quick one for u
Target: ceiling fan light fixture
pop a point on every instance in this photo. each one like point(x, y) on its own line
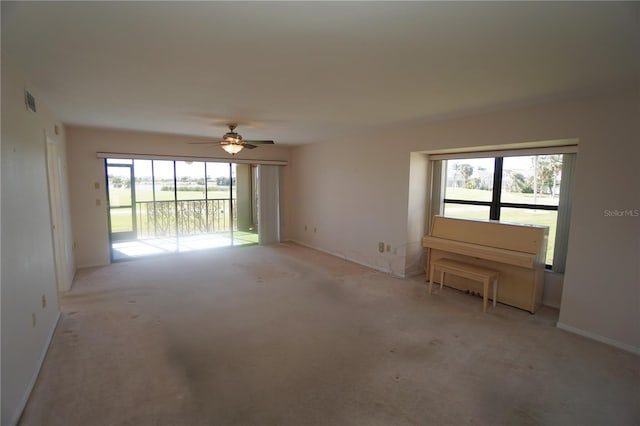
point(233, 148)
point(232, 137)
point(233, 142)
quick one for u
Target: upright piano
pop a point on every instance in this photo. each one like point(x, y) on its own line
point(517, 251)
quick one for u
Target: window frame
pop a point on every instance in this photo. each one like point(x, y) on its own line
point(496, 204)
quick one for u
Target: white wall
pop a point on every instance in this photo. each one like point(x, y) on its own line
point(356, 193)
point(417, 214)
point(601, 291)
point(350, 196)
point(90, 224)
point(28, 271)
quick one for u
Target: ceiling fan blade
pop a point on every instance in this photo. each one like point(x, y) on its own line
point(248, 145)
point(259, 142)
point(204, 143)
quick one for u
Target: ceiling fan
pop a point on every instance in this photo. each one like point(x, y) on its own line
point(233, 142)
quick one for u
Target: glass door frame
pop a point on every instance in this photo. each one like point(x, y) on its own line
point(127, 235)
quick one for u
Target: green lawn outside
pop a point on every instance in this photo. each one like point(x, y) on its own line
point(526, 216)
point(242, 237)
point(121, 221)
point(507, 197)
point(122, 196)
point(121, 217)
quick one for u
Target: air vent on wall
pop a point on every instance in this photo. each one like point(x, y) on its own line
point(30, 101)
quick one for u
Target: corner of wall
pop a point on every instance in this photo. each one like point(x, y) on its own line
point(552, 295)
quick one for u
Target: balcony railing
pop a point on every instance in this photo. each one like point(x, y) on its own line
point(184, 217)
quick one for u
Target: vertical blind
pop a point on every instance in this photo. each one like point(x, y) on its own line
point(269, 204)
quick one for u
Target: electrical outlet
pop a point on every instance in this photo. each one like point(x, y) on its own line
point(44, 301)
point(98, 201)
point(96, 185)
point(33, 319)
point(381, 247)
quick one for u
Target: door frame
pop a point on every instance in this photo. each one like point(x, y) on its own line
point(55, 208)
point(128, 235)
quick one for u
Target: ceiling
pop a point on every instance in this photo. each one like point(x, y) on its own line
point(309, 72)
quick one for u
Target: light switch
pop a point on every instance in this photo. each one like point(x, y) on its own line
point(98, 201)
point(96, 185)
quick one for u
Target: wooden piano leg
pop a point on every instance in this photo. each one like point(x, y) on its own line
point(431, 278)
point(495, 291)
point(485, 283)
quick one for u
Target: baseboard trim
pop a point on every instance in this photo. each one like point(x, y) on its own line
point(93, 265)
point(414, 273)
point(597, 337)
point(550, 304)
point(341, 256)
point(32, 383)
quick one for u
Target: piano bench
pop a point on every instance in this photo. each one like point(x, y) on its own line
point(466, 270)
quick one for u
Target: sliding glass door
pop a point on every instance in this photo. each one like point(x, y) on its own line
point(163, 206)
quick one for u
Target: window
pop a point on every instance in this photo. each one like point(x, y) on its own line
point(469, 188)
point(519, 189)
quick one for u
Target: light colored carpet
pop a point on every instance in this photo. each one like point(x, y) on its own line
point(285, 335)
